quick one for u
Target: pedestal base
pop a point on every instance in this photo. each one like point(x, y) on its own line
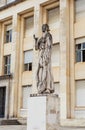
point(43, 111)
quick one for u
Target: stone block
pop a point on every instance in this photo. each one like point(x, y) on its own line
point(43, 112)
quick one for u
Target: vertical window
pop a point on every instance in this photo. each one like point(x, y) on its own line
point(80, 52)
point(28, 58)
point(80, 93)
point(55, 55)
point(79, 9)
point(29, 23)
point(8, 33)
point(26, 91)
point(2, 3)
point(53, 17)
point(9, 1)
point(7, 64)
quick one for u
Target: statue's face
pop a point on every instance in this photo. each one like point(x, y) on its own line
point(43, 28)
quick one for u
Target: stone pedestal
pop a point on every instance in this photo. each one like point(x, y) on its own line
point(43, 112)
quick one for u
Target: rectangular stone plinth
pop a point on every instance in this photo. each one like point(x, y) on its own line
point(43, 112)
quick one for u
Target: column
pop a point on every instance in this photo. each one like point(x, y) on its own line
point(72, 58)
point(64, 60)
point(1, 47)
point(37, 32)
point(15, 66)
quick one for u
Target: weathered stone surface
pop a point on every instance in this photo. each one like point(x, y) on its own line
point(43, 113)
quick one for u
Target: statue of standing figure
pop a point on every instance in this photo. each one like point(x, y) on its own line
point(44, 74)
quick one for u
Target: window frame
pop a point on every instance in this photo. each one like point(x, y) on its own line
point(8, 37)
point(7, 66)
point(27, 65)
point(25, 86)
point(26, 18)
point(7, 2)
point(81, 52)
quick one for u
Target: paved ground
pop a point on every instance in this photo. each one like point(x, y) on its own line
point(16, 127)
point(68, 128)
point(23, 127)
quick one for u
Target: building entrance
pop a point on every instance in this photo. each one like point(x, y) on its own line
point(2, 101)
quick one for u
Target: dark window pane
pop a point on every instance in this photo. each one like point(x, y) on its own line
point(79, 46)
point(83, 55)
point(8, 69)
point(83, 45)
point(26, 67)
point(30, 66)
point(5, 70)
point(9, 59)
point(6, 60)
point(7, 64)
point(78, 56)
point(9, 36)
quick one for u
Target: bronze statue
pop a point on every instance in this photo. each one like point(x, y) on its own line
point(44, 75)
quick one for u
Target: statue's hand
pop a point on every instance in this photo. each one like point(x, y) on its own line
point(36, 38)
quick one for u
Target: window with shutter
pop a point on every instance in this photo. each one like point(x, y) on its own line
point(53, 17)
point(26, 91)
point(29, 24)
point(79, 9)
point(80, 50)
point(55, 55)
point(8, 34)
point(9, 1)
point(28, 58)
point(80, 93)
point(7, 64)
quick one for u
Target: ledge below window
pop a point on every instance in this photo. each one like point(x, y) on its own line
point(10, 4)
point(3, 77)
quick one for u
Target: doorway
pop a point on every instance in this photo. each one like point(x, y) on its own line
point(2, 101)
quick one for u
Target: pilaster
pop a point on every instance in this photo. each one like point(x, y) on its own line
point(64, 59)
point(15, 65)
point(37, 32)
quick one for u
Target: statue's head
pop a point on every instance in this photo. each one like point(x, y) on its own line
point(45, 27)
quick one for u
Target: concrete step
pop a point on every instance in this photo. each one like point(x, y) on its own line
point(9, 122)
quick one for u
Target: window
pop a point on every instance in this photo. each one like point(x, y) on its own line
point(80, 52)
point(7, 61)
point(55, 55)
point(80, 93)
point(2, 3)
point(79, 9)
point(28, 58)
point(8, 33)
point(26, 91)
point(29, 24)
point(9, 1)
point(53, 17)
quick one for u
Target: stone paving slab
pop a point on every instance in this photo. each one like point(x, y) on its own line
point(14, 127)
point(71, 128)
point(24, 127)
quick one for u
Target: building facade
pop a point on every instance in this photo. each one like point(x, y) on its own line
point(19, 20)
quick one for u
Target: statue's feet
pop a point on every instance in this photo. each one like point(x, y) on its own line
point(47, 91)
